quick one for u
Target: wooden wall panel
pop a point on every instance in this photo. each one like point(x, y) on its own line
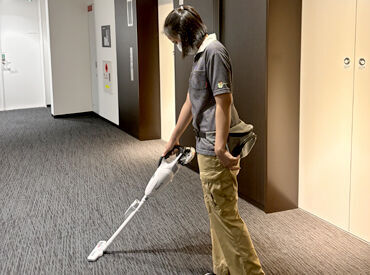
point(326, 108)
point(139, 100)
point(360, 177)
point(283, 86)
point(243, 32)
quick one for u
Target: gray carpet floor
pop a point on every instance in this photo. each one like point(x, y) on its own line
point(65, 184)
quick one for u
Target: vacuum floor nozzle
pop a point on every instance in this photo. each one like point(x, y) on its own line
point(97, 252)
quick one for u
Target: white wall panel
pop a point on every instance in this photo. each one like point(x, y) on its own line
point(328, 31)
point(360, 180)
point(108, 101)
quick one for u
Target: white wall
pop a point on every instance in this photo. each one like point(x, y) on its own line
point(69, 43)
point(108, 101)
point(20, 39)
point(167, 73)
point(75, 94)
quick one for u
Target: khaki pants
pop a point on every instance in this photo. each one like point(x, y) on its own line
point(232, 248)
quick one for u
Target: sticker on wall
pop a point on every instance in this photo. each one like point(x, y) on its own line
point(105, 36)
point(107, 76)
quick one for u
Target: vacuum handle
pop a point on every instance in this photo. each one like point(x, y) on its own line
point(169, 153)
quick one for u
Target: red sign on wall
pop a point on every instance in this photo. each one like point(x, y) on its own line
point(90, 8)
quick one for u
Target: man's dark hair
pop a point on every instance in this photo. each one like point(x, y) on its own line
point(185, 23)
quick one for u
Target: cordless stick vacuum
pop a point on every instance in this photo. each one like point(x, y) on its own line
point(162, 176)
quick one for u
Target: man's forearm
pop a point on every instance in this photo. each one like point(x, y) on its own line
point(185, 118)
point(223, 117)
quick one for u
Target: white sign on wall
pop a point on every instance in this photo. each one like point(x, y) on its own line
point(107, 75)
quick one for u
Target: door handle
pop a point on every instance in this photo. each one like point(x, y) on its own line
point(131, 64)
point(6, 66)
point(130, 16)
point(347, 61)
point(362, 62)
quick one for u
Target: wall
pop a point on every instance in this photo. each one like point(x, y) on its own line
point(108, 101)
point(247, 47)
point(334, 117)
point(74, 95)
point(69, 43)
point(283, 83)
point(20, 39)
point(167, 73)
point(2, 107)
point(45, 45)
point(326, 109)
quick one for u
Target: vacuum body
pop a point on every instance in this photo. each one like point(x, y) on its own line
point(162, 176)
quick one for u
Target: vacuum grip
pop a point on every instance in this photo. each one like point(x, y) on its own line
point(169, 153)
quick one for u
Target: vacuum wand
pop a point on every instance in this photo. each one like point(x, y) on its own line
point(162, 176)
point(125, 222)
point(99, 249)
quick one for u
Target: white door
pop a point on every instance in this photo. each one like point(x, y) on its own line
point(328, 33)
point(20, 41)
point(93, 59)
point(360, 181)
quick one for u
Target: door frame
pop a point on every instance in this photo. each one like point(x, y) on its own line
point(93, 59)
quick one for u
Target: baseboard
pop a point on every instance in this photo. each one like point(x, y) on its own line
point(110, 122)
point(91, 113)
point(75, 115)
point(251, 201)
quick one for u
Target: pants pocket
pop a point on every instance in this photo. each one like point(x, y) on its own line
point(224, 196)
point(220, 193)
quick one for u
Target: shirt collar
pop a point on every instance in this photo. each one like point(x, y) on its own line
point(209, 39)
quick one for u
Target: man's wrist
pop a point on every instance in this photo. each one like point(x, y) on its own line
point(174, 139)
point(220, 150)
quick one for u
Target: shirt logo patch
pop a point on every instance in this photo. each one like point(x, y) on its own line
point(221, 85)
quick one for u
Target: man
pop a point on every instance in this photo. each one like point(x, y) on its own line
point(209, 103)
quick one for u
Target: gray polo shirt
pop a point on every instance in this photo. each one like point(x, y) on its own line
point(210, 76)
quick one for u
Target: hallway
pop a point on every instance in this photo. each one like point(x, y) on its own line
point(65, 184)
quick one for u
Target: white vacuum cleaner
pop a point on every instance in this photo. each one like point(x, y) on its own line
point(162, 176)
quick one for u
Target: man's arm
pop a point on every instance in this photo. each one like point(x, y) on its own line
point(223, 119)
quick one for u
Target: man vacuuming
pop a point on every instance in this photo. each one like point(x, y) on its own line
point(209, 104)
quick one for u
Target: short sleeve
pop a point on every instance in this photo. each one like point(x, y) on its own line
point(219, 73)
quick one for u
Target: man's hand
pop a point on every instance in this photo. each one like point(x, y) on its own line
point(170, 144)
point(228, 160)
